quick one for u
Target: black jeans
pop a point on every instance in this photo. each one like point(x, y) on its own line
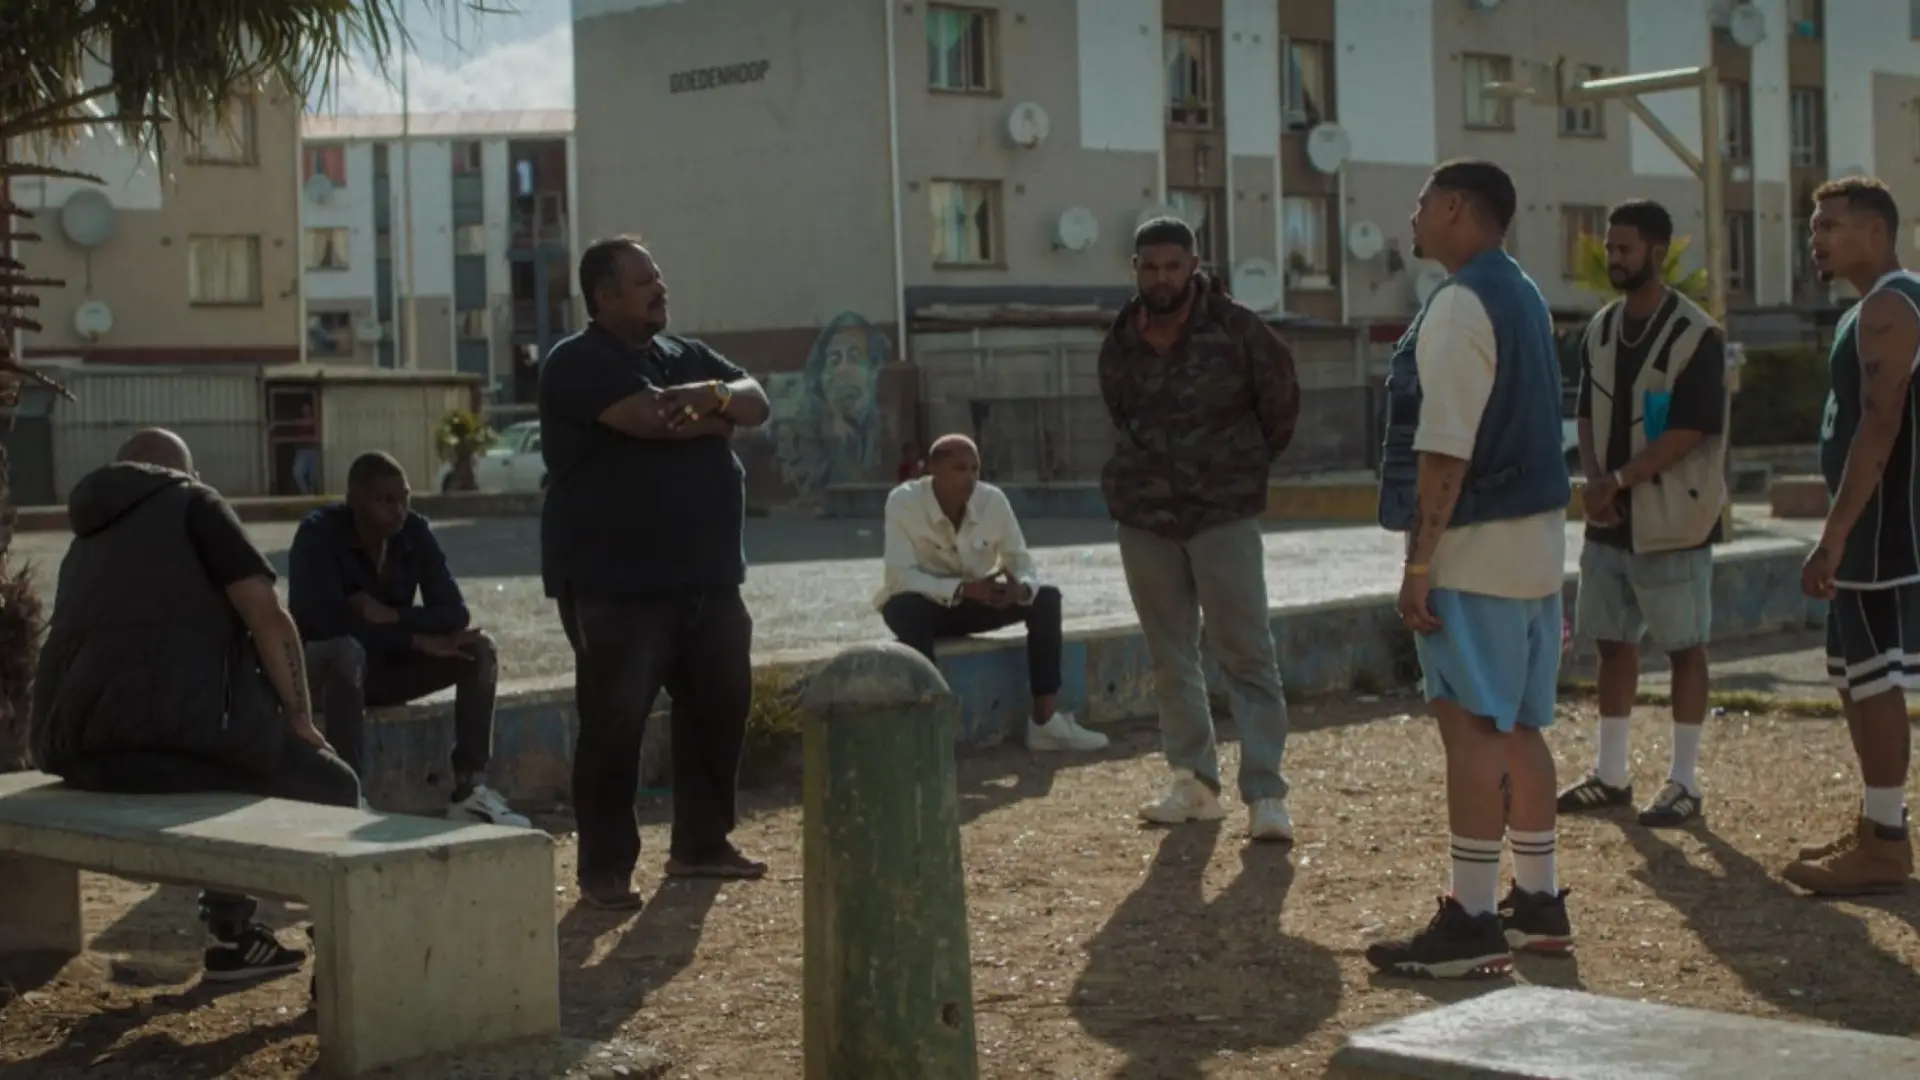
point(919, 622)
point(346, 682)
point(306, 774)
point(697, 645)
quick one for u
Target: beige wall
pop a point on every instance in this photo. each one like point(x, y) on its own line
point(1896, 141)
point(766, 203)
point(141, 271)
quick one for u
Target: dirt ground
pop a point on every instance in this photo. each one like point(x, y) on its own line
point(1101, 949)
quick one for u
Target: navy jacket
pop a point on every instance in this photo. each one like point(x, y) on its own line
point(1517, 468)
point(328, 565)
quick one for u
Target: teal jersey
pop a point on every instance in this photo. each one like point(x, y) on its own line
point(1884, 548)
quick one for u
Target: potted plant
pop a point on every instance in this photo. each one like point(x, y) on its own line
point(462, 436)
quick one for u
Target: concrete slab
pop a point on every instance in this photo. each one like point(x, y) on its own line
point(1535, 1033)
point(397, 903)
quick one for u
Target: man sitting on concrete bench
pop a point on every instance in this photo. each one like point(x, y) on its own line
point(355, 572)
point(171, 667)
point(957, 564)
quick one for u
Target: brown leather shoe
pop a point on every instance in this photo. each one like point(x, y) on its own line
point(1875, 859)
point(1816, 853)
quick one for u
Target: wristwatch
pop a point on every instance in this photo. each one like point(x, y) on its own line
point(723, 394)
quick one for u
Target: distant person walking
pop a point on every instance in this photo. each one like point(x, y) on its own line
point(641, 543)
point(1203, 398)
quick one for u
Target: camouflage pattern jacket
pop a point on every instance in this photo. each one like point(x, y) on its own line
point(1198, 427)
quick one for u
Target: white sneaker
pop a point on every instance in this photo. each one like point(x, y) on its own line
point(1063, 732)
point(485, 804)
point(1268, 819)
point(1187, 799)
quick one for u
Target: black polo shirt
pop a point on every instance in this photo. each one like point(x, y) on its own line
point(627, 517)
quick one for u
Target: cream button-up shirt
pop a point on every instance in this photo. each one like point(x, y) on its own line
point(926, 554)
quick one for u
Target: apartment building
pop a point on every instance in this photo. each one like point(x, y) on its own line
point(477, 203)
point(891, 157)
point(188, 260)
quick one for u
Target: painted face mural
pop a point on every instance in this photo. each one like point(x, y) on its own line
point(826, 419)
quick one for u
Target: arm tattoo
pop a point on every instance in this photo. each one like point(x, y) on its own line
point(301, 707)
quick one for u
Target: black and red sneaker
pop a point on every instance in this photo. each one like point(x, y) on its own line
point(1537, 922)
point(1454, 945)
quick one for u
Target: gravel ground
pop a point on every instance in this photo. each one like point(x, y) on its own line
point(1102, 950)
point(811, 582)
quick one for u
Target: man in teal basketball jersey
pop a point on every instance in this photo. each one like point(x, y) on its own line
point(1867, 562)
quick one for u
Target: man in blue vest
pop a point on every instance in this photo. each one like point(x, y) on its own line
point(1472, 472)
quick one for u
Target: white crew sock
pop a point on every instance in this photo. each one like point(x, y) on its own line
point(1611, 766)
point(1533, 867)
point(1884, 806)
point(1476, 874)
point(1685, 769)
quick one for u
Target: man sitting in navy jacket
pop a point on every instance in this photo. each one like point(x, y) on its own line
point(356, 571)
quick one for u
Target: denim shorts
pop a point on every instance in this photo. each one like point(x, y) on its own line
point(1665, 595)
point(1494, 656)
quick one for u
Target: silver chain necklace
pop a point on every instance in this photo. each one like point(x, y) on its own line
point(1645, 328)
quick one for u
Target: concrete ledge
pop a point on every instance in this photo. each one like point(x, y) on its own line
point(1339, 645)
point(459, 504)
point(1801, 497)
point(1534, 1033)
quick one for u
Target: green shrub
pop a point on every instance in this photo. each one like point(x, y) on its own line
point(1783, 392)
point(773, 724)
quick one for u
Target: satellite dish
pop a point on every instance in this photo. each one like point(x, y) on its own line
point(319, 189)
point(87, 218)
point(1364, 240)
point(1158, 210)
point(1076, 230)
point(1328, 148)
point(93, 319)
point(1747, 25)
point(1028, 125)
point(368, 329)
point(1427, 282)
point(1256, 283)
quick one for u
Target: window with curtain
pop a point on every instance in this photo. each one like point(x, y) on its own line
point(327, 161)
point(965, 222)
point(223, 269)
point(1806, 110)
point(1484, 111)
point(960, 49)
point(327, 249)
point(1577, 223)
point(1189, 63)
point(1584, 121)
point(1305, 228)
point(1303, 84)
point(1195, 207)
point(222, 137)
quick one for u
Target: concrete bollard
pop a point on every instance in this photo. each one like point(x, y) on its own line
point(889, 984)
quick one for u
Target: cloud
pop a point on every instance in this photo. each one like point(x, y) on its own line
point(535, 72)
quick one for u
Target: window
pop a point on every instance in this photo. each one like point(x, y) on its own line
point(1189, 56)
point(1804, 18)
point(1913, 18)
point(1306, 224)
point(1195, 207)
point(1736, 129)
point(1584, 121)
point(473, 324)
point(327, 161)
point(1577, 223)
point(960, 50)
point(466, 157)
point(1739, 252)
point(1485, 111)
point(1807, 109)
point(330, 334)
point(470, 240)
point(223, 270)
point(326, 249)
point(224, 137)
point(966, 222)
point(1303, 83)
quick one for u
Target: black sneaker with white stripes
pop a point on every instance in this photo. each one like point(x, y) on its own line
point(1594, 793)
point(255, 954)
point(1537, 922)
point(1455, 945)
point(1674, 806)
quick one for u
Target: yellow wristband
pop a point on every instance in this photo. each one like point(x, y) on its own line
point(1415, 569)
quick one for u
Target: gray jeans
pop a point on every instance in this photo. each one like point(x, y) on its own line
point(1220, 573)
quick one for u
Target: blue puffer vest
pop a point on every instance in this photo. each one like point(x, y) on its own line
point(1517, 469)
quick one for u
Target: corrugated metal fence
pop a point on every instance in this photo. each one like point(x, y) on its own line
point(219, 413)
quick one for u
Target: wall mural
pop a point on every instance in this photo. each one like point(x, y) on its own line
point(826, 418)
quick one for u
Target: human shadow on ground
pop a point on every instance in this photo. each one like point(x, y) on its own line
point(1783, 945)
point(94, 1046)
point(1560, 972)
point(1173, 978)
point(653, 945)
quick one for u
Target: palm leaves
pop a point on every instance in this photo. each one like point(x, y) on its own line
point(1590, 270)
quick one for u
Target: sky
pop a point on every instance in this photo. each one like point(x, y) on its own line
point(515, 61)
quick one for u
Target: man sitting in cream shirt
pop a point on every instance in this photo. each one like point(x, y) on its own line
point(957, 564)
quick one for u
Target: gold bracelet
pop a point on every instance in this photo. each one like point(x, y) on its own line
point(1415, 569)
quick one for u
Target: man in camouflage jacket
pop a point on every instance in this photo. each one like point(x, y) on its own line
point(1203, 398)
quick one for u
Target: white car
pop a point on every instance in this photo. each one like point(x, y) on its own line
point(512, 463)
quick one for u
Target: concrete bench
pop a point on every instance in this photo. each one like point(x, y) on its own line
point(1803, 497)
point(1533, 1033)
point(431, 936)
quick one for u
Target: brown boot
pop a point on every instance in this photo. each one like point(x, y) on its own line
point(1875, 859)
point(1815, 854)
